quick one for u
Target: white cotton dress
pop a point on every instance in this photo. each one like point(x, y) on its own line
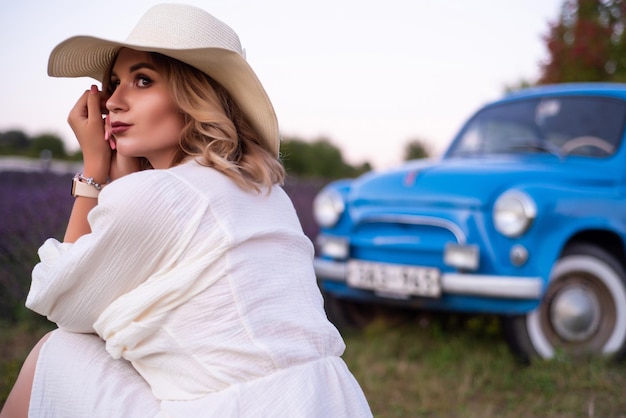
point(204, 301)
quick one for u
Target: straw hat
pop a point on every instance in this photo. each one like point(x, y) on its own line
point(190, 35)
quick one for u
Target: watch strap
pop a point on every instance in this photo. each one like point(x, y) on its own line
point(83, 189)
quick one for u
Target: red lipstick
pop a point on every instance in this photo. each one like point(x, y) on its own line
point(119, 127)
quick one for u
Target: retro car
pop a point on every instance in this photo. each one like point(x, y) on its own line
point(524, 217)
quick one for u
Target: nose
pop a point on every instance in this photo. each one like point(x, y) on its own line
point(117, 101)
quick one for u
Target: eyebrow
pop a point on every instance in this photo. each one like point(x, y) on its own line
point(139, 66)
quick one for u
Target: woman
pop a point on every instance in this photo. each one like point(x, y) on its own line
point(182, 253)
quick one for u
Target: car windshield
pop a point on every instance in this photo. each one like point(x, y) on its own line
point(571, 125)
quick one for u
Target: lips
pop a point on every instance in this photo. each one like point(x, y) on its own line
point(119, 127)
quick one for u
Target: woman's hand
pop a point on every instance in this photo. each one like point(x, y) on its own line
point(85, 119)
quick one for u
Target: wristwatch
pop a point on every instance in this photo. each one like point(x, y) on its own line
point(85, 187)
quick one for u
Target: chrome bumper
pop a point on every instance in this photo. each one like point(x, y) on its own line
point(454, 283)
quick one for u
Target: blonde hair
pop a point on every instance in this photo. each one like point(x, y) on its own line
point(216, 129)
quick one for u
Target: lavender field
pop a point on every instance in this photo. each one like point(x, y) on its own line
point(427, 365)
point(33, 207)
point(36, 205)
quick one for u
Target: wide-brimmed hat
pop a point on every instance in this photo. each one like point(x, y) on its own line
point(190, 35)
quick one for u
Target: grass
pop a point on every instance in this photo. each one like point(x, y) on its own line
point(450, 366)
point(16, 340)
point(437, 366)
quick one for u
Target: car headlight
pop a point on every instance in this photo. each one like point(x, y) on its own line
point(327, 208)
point(334, 247)
point(513, 213)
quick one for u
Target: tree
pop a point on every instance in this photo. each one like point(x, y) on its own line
point(18, 143)
point(49, 142)
point(519, 85)
point(415, 149)
point(319, 158)
point(13, 142)
point(587, 43)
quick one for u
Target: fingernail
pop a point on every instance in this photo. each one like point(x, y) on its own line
point(107, 132)
point(112, 143)
point(94, 89)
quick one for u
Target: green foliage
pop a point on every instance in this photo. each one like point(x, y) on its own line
point(520, 85)
point(50, 143)
point(416, 149)
point(13, 142)
point(44, 145)
point(587, 43)
point(320, 159)
point(76, 156)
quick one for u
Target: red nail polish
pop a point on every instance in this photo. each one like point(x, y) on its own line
point(107, 131)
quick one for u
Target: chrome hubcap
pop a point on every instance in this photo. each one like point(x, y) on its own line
point(575, 313)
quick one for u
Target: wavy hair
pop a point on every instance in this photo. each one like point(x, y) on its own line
point(215, 128)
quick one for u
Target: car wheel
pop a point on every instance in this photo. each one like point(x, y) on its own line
point(582, 313)
point(345, 313)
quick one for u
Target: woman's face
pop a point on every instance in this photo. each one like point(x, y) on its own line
point(144, 119)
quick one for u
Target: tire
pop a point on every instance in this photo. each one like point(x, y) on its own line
point(351, 315)
point(583, 312)
point(346, 314)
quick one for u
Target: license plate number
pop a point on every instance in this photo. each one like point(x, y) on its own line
point(394, 278)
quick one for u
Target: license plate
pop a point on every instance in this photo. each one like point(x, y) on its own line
point(395, 278)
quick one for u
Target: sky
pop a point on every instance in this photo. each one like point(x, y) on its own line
point(368, 75)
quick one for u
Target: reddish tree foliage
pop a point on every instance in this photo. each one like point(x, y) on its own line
point(587, 43)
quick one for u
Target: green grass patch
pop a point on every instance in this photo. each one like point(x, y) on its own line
point(435, 366)
point(16, 341)
point(450, 366)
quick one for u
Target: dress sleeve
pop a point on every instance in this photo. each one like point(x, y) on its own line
point(142, 223)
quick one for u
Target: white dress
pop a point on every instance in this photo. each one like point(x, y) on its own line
point(207, 290)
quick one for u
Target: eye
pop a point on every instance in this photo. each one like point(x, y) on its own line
point(143, 81)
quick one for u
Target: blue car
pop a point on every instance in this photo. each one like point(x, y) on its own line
point(523, 217)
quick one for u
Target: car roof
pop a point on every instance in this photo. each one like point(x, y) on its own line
point(573, 89)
